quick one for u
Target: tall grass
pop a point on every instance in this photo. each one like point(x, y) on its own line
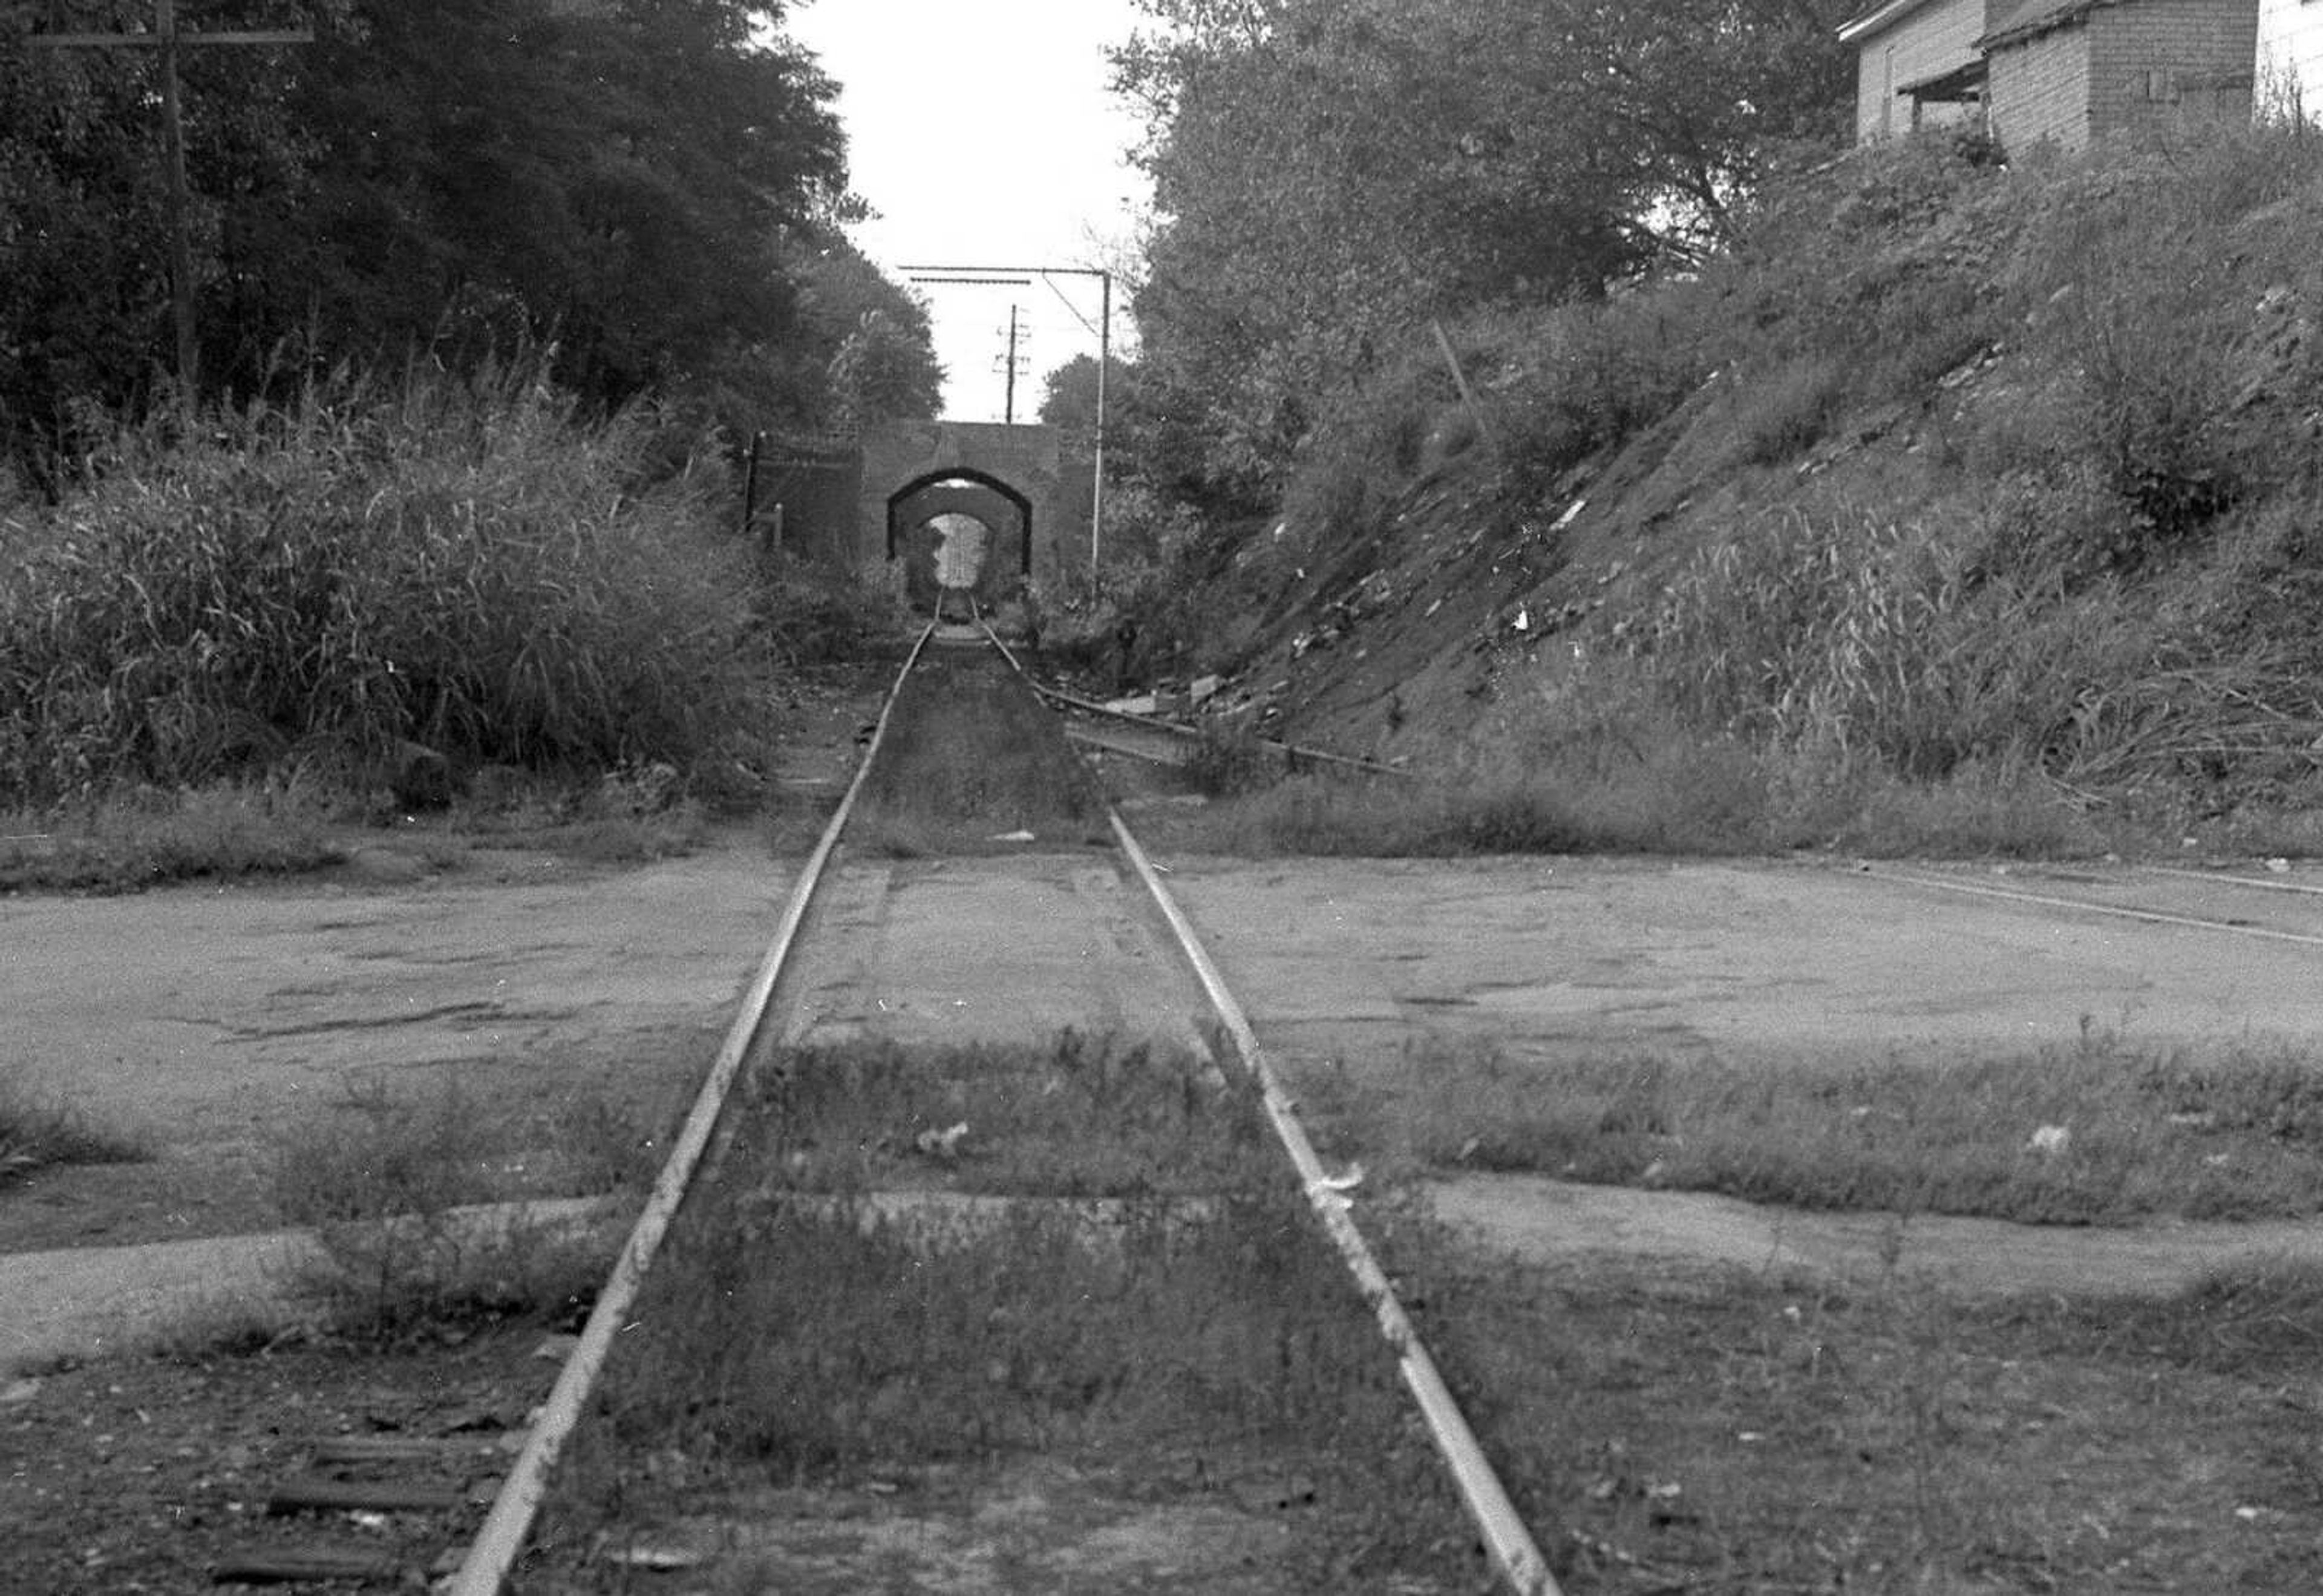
point(470, 567)
point(147, 837)
point(37, 1132)
point(400, 1190)
point(2094, 576)
point(1831, 630)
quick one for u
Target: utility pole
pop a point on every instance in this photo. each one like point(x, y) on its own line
point(1017, 333)
point(167, 37)
point(1103, 368)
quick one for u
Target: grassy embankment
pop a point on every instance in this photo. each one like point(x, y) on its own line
point(1962, 508)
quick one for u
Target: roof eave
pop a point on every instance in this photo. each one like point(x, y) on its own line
point(2049, 22)
point(1876, 18)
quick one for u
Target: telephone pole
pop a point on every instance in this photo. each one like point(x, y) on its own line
point(166, 37)
point(1017, 334)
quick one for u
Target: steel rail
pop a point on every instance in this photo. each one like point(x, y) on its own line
point(506, 1526)
point(2118, 912)
point(1515, 1557)
point(2228, 878)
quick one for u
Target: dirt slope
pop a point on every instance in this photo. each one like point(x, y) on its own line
point(2082, 430)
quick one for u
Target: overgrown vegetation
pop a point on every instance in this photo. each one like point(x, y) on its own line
point(1333, 174)
point(431, 485)
point(38, 1132)
point(1197, 1312)
point(2105, 1132)
point(658, 191)
point(1089, 1116)
point(386, 586)
point(1949, 474)
point(422, 1207)
point(973, 762)
point(147, 837)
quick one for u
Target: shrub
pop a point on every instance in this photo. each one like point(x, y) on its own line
point(36, 1133)
point(472, 568)
point(393, 1188)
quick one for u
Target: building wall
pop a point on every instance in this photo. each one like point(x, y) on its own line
point(1938, 37)
point(2138, 65)
point(2039, 89)
point(2290, 57)
point(2158, 64)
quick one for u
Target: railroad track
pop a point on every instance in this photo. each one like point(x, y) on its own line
point(2241, 902)
point(857, 959)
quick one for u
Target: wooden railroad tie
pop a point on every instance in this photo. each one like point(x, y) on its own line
point(464, 1472)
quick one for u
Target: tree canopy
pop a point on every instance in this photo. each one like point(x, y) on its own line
point(1331, 174)
point(1069, 399)
point(635, 182)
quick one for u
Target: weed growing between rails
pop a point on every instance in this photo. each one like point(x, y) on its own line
point(1090, 1117)
point(841, 1316)
point(973, 762)
point(2103, 1133)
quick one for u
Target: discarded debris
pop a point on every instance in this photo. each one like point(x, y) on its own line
point(653, 1559)
point(943, 1143)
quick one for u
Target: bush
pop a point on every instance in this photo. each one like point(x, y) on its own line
point(469, 569)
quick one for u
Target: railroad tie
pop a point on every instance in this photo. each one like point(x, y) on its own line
point(454, 1475)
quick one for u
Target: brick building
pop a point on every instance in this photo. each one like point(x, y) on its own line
point(2073, 70)
point(2063, 70)
point(2290, 57)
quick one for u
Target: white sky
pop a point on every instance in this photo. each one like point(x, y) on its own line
point(982, 134)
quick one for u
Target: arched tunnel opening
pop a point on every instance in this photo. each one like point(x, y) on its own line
point(964, 539)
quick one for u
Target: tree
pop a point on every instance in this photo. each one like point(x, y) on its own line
point(616, 177)
point(869, 338)
point(84, 235)
point(1333, 174)
point(1068, 400)
point(616, 181)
